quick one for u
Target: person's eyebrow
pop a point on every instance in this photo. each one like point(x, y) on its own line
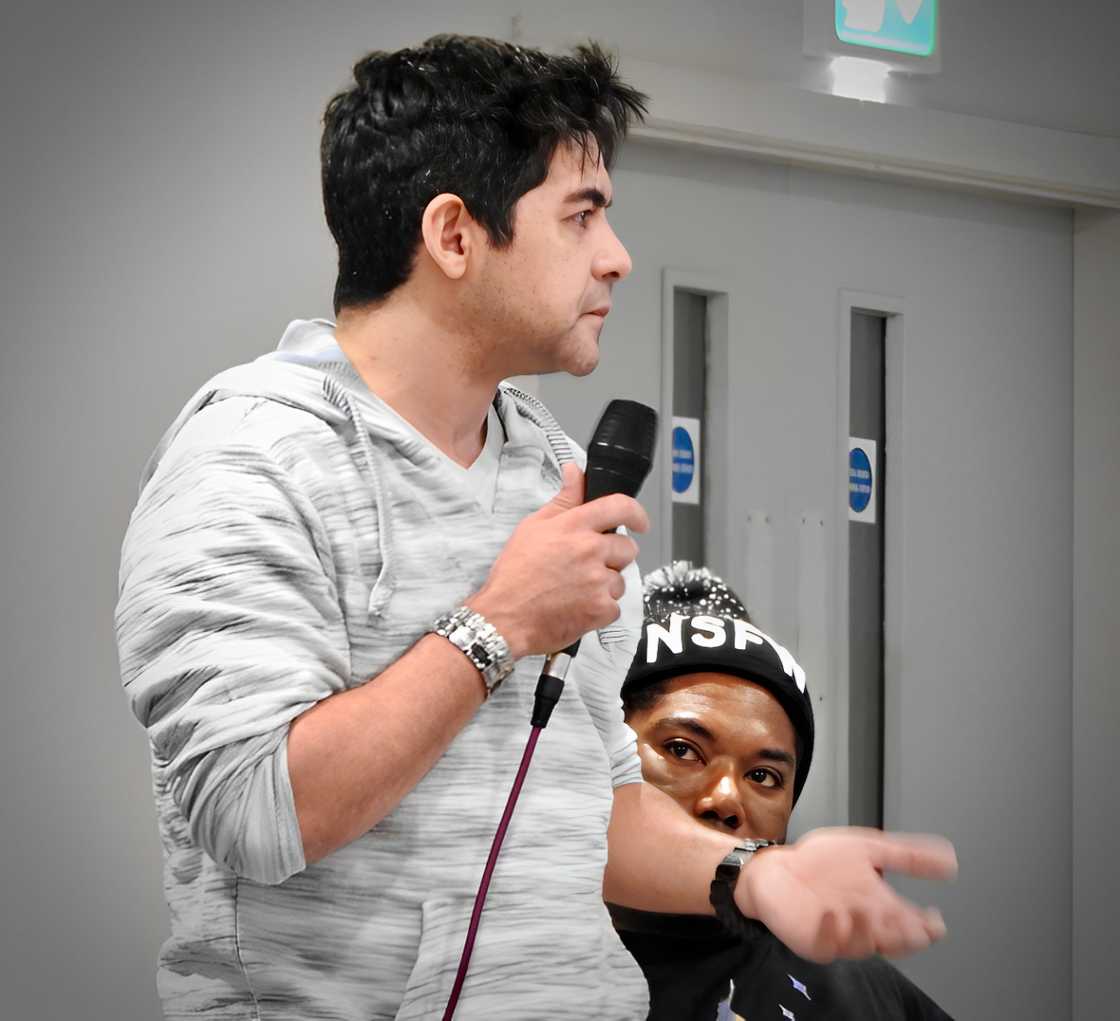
point(592, 195)
point(777, 755)
point(687, 723)
point(694, 726)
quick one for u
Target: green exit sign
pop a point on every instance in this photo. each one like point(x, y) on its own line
point(900, 26)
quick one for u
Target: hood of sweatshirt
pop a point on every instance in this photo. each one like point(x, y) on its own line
point(309, 371)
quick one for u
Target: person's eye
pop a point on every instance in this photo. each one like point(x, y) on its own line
point(765, 777)
point(583, 217)
point(682, 750)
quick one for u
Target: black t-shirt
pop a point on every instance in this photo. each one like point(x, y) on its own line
point(691, 964)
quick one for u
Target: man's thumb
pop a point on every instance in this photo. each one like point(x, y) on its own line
point(571, 492)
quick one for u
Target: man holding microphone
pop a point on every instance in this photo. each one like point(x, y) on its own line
point(348, 560)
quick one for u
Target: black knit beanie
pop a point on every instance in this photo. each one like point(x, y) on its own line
point(694, 623)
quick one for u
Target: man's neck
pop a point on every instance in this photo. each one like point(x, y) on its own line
point(424, 372)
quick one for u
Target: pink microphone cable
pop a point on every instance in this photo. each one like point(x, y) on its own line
point(618, 460)
point(495, 847)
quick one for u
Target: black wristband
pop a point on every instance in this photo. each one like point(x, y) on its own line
point(722, 895)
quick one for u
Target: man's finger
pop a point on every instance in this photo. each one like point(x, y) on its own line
point(934, 924)
point(831, 938)
point(620, 551)
point(915, 935)
point(902, 933)
point(918, 855)
point(608, 512)
point(916, 927)
point(861, 934)
point(892, 936)
point(571, 492)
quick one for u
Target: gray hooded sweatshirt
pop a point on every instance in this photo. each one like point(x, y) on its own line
point(293, 538)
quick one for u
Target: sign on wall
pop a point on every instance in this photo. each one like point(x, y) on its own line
point(900, 26)
point(863, 478)
point(897, 35)
point(686, 460)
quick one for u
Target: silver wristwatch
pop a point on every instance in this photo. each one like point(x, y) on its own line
point(480, 642)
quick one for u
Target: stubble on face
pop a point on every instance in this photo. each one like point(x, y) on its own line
point(532, 300)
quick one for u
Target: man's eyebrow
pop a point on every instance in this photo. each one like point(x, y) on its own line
point(776, 755)
point(592, 195)
point(694, 726)
point(687, 723)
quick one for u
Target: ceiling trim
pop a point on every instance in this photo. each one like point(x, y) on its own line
point(821, 155)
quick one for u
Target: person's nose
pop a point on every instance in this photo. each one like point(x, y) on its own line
point(613, 261)
point(721, 803)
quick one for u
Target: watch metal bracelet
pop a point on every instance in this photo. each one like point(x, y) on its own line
point(478, 639)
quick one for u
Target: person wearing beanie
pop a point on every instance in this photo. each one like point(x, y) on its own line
point(724, 721)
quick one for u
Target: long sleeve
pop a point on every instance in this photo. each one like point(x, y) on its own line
point(229, 627)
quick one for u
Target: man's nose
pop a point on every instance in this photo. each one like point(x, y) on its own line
point(721, 804)
point(613, 261)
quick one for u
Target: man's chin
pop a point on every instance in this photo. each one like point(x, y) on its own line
point(584, 359)
point(576, 364)
point(574, 355)
point(584, 368)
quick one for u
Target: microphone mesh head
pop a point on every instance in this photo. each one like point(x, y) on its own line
point(620, 454)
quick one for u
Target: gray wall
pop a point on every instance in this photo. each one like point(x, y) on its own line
point(1096, 568)
point(160, 219)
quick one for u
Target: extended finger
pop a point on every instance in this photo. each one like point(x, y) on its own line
point(919, 855)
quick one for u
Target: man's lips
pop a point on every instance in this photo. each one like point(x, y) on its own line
point(601, 312)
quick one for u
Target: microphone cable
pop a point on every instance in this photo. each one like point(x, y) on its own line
point(618, 460)
point(549, 688)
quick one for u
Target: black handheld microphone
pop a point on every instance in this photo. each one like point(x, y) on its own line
point(619, 458)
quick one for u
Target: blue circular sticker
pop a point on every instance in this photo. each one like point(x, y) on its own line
point(684, 459)
point(859, 479)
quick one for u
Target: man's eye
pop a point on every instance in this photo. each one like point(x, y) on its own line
point(765, 778)
point(681, 750)
point(583, 217)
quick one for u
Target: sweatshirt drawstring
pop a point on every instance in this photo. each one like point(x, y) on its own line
point(532, 409)
point(339, 396)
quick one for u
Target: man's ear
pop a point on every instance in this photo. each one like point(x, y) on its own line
point(450, 234)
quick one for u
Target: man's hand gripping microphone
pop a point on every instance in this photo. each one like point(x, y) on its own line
point(619, 458)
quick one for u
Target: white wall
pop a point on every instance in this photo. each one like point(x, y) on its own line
point(981, 739)
point(1096, 569)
